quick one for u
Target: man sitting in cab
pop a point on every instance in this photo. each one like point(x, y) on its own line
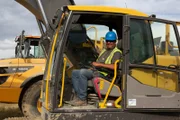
point(106, 60)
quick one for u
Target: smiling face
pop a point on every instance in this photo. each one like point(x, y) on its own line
point(110, 44)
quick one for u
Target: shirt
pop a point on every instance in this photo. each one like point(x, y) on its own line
point(104, 56)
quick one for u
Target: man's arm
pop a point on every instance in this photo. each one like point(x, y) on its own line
point(109, 66)
point(116, 56)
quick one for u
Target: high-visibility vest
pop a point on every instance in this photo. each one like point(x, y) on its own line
point(109, 58)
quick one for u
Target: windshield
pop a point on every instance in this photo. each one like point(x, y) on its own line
point(30, 48)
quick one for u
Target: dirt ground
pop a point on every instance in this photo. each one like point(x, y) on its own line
point(9, 110)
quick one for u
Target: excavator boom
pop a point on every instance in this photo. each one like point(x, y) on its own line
point(44, 11)
point(49, 7)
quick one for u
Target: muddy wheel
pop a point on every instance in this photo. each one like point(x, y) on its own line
point(31, 107)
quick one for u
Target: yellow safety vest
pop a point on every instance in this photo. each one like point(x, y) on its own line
point(109, 58)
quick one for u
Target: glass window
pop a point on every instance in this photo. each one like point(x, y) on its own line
point(141, 48)
point(38, 52)
point(164, 39)
point(86, 35)
point(92, 29)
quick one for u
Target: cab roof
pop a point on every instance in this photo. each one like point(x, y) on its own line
point(27, 37)
point(30, 37)
point(107, 9)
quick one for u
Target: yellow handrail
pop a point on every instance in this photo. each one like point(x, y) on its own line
point(50, 62)
point(96, 38)
point(111, 85)
point(96, 31)
point(62, 86)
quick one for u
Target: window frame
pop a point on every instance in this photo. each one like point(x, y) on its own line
point(150, 37)
point(59, 58)
point(155, 66)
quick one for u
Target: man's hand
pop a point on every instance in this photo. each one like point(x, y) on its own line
point(96, 64)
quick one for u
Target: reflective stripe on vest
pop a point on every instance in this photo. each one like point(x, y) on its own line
point(109, 58)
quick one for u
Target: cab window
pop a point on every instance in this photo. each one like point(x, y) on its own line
point(141, 47)
point(164, 37)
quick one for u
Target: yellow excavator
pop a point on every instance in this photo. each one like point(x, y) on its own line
point(22, 74)
point(145, 84)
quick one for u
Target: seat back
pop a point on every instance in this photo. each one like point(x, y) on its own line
point(101, 87)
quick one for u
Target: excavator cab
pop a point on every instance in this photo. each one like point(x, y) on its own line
point(149, 73)
point(141, 88)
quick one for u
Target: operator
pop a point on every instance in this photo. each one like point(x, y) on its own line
point(106, 59)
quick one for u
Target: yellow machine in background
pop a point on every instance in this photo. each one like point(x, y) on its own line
point(20, 76)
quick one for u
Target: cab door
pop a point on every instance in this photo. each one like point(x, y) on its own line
point(153, 68)
point(167, 54)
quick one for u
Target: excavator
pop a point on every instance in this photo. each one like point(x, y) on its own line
point(145, 83)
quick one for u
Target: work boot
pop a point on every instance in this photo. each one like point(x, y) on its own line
point(79, 102)
point(74, 96)
point(73, 99)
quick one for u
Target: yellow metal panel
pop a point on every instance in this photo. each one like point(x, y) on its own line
point(10, 94)
point(19, 78)
point(165, 60)
point(161, 79)
point(30, 36)
point(107, 10)
point(8, 81)
point(32, 62)
point(167, 80)
point(145, 76)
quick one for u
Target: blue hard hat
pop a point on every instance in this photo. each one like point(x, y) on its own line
point(111, 36)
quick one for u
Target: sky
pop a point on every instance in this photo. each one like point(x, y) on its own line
point(14, 18)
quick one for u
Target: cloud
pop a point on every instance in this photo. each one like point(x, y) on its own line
point(8, 53)
point(14, 18)
point(162, 8)
point(7, 44)
point(7, 48)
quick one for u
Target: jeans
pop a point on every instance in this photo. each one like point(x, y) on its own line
point(80, 82)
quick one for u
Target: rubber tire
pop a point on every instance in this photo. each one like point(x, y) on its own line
point(29, 101)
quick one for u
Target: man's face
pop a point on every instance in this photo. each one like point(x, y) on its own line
point(110, 44)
